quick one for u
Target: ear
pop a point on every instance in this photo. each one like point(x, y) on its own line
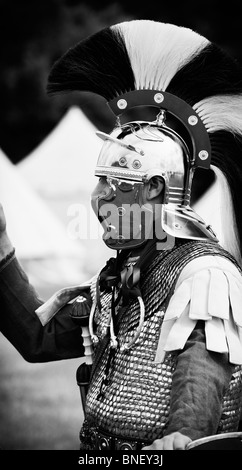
point(154, 188)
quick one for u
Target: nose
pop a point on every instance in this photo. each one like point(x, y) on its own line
point(101, 190)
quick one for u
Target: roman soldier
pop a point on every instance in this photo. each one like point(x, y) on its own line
point(164, 314)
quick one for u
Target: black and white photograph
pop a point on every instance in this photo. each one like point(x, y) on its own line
point(120, 229)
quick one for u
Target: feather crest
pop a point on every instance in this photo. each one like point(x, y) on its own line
point(158, 50)
point(221, 112)
point(99, 64)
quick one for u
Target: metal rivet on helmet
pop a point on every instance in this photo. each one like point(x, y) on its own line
point(122, 161)
point(203, 154)
point(122, 104)
point(121, 211)
point(177, 226)
point(192, 120)
point(120, 239)
point(158, 98)
point(136, 164)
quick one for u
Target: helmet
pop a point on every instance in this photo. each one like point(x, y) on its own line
point(173, 92)
point(137, 151)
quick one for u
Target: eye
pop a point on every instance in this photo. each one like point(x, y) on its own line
point(125, 186)
point(102, 179)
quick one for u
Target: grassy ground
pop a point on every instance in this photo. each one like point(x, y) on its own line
point(40, 403)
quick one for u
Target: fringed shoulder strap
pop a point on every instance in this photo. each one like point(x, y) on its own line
point(209, 288)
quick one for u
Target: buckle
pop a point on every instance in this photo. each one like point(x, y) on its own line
point(104, 443)
point(100, 442)
point(124, 445)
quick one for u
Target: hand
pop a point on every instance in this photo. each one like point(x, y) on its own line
point(5, 244)
point(174, 441)
point(2, 221)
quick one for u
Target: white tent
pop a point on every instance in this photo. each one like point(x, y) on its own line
point(61, 170)
point(34, 229)
point(41, 240)
point(65, 161)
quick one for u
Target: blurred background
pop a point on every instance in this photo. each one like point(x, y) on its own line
point(48, 150)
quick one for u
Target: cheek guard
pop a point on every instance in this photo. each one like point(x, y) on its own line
point(127, 223)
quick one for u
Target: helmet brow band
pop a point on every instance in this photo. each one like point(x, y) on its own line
point(178, 108)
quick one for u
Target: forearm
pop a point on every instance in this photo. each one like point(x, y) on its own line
point(59, 339)
point(5, 246)
point(199, 383)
